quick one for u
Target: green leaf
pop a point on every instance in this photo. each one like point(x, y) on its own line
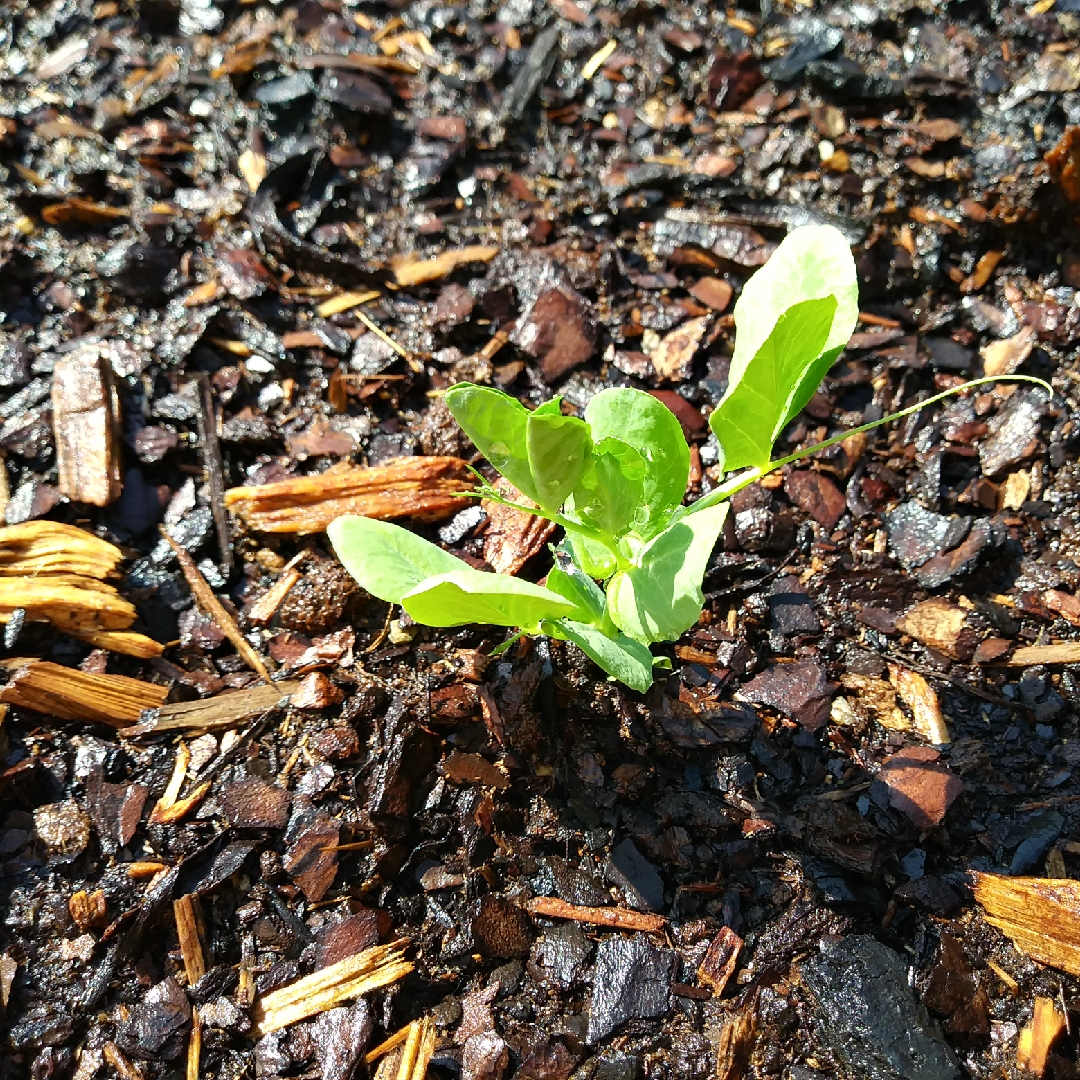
point(753, 412)
point(627, 660)
point(593, 558)
point(566, 579)
point(661, 598)
point(471, 596)
point(559, 449)
point(811, 262)
point(611, 492)
point(497, 424)
point(387, 560)
point(651, 428)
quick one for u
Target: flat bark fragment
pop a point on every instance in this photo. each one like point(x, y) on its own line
point(86, 411)
point(70, 694)
point(421, 488)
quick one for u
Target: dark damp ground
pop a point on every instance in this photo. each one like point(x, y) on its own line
point(436, 793)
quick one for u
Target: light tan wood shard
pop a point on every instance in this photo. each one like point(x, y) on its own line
point(346, 980)
point(86, 412)
point(213, 714)
point(1065, 652)
point(1037, 1037)
point(70, 694)
point(921, 698)
point(421, 271)
point(1041, 916)
point(37, 547)
point(57, 573)
point(736, 1043)
point(552, 907)
point(421, 488)
point(188, 917)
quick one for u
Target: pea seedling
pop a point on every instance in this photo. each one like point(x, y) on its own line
point(615, 479)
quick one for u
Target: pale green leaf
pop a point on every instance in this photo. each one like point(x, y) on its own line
point(611, 492)
point(471, 596)
point(568, 581)
point(387, 560)
point(753, 412)
point(593, 558)
point(638, 419)
point(661, 598)
point(559, 449)
point(812, 261)
point(621, 657)
point(497, 424)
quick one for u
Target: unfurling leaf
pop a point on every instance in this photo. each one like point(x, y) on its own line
point(651, 428)
point(559, 449)
point(661, 598)
point(610, 493)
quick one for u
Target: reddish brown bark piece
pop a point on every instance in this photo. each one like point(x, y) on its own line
point(693, 423)
point(815, 494)
point(920, 786)
point(422, 488)
point(512, 537)
point(559, 332)
point(85, 423)
point(462, 768)
point(316, 691)
point(311, 862)
point(621, 918)
point(713, 292)
point(720, 960)
point(255, 804)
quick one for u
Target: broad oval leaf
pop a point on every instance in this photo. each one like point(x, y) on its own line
point(811, 262)
point(651, 428)
point(471, 596)
point(497, 424)
point(611, 492)
point(559, 449)
point(661, 598)
point(753, 412)
point(621, 657)
point(387, 560)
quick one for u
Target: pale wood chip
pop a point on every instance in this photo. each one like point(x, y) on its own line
point(621, 918)
point(422, 488)
point(213, 714)
point(189, 930)
point(1035, 1041)
point(70, 694)
point(422, 271)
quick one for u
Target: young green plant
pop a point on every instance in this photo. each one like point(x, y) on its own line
point(629, 570)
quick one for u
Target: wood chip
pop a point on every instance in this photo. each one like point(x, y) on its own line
point(1063, 604)
point(720, 960)
point(921, 698)
point(423, 271)
point(194, 1046)
point(417, 1051)
point(1041, 916)
point(57, 573)
point(346, 980)
point(189, 929)
point(422, 488)
point(205, 598)
point(1033, 1046)
point(512, 537)
point(1065, 652)
point(253, 168)
point(86, 412)
point(621, 918)
point(981, 274)
point(88, 909)
point(265, 608)
point(673, 358)
point(124, 1068)
point(223, 711)
point(1005, 356)
point(70, 694)
point(942, 625)
point(345, 301)
point(8, 967)
point(736, 1042)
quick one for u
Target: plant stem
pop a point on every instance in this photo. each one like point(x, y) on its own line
point(745, 479)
